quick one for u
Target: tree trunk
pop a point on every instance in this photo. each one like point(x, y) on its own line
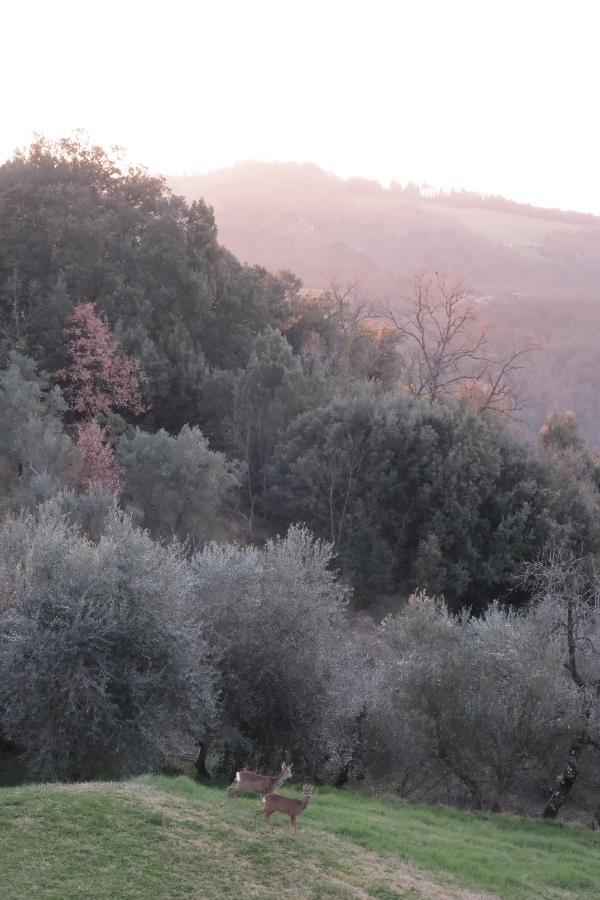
point(473, 789)
point(229, 765)
point(456, 768)
point(202, 772)
point(567, 778)
point(9, 747)
point(346, 768)
point(343, 774)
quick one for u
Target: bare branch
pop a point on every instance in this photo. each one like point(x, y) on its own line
point(447, 351)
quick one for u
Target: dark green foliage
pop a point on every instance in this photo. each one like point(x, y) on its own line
point(33, 445)
point(269, 393)
point(75, 227)
point(417, 494)
point(177, 485)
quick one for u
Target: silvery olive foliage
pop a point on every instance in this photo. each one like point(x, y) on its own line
point(101, 669)
point(485, 700)
point(274, 619)
point(566, 594)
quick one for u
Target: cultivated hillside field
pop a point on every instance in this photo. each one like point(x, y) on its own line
point(284, 215)
point(159, 837)
point(522, 232)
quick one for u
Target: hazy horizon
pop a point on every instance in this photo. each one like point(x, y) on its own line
point(384, 182)
point(496, 98)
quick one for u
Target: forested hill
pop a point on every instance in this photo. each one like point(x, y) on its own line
point(281, 384)
point(540, 266)
point(216, 488)
point(299, 217)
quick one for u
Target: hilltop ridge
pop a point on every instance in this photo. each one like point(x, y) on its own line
point(323, 228)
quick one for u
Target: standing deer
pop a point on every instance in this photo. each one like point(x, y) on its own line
point(273, 803)
point(262, 784)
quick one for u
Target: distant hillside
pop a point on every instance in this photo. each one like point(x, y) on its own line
point(298, 217)
point(541, 266)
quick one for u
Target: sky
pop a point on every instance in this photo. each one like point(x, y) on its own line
point(496, 96)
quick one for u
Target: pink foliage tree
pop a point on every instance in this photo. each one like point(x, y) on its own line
point(97, 458)
point(100, 377)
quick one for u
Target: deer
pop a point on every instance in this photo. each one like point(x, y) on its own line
point(262, 784)
point(273, 803)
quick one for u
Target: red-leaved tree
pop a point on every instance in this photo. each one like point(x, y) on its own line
point(100, 379)
point(97, 458)
point(99, 376)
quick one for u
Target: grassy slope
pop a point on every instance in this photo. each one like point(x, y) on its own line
point(169, 838)
point(524, 232)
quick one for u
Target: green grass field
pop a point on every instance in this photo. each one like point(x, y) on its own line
point(171, 838)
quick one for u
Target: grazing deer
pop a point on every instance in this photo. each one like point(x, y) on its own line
point(273, 803)
point(262, 784)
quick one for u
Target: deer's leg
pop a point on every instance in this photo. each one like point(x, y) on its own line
point(268, 815)
point(261, 812)
point(229, 792)
point(294, 824)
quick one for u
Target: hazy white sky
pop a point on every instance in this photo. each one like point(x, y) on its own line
point(492, 95)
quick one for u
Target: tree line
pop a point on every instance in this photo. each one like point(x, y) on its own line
point(120, 654)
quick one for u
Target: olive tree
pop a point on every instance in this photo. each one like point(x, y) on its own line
point(487, 698)
point(566, 589)
point(274, 619)
point(100, 670)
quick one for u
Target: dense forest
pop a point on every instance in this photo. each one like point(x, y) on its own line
point(242, 520)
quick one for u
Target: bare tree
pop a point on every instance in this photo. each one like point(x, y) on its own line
point(349, 340)
point(351, 314)
point(447, 351)
point(568, 589)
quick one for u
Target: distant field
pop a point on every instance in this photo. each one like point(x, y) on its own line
point(171, 838)
point(524, 232)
